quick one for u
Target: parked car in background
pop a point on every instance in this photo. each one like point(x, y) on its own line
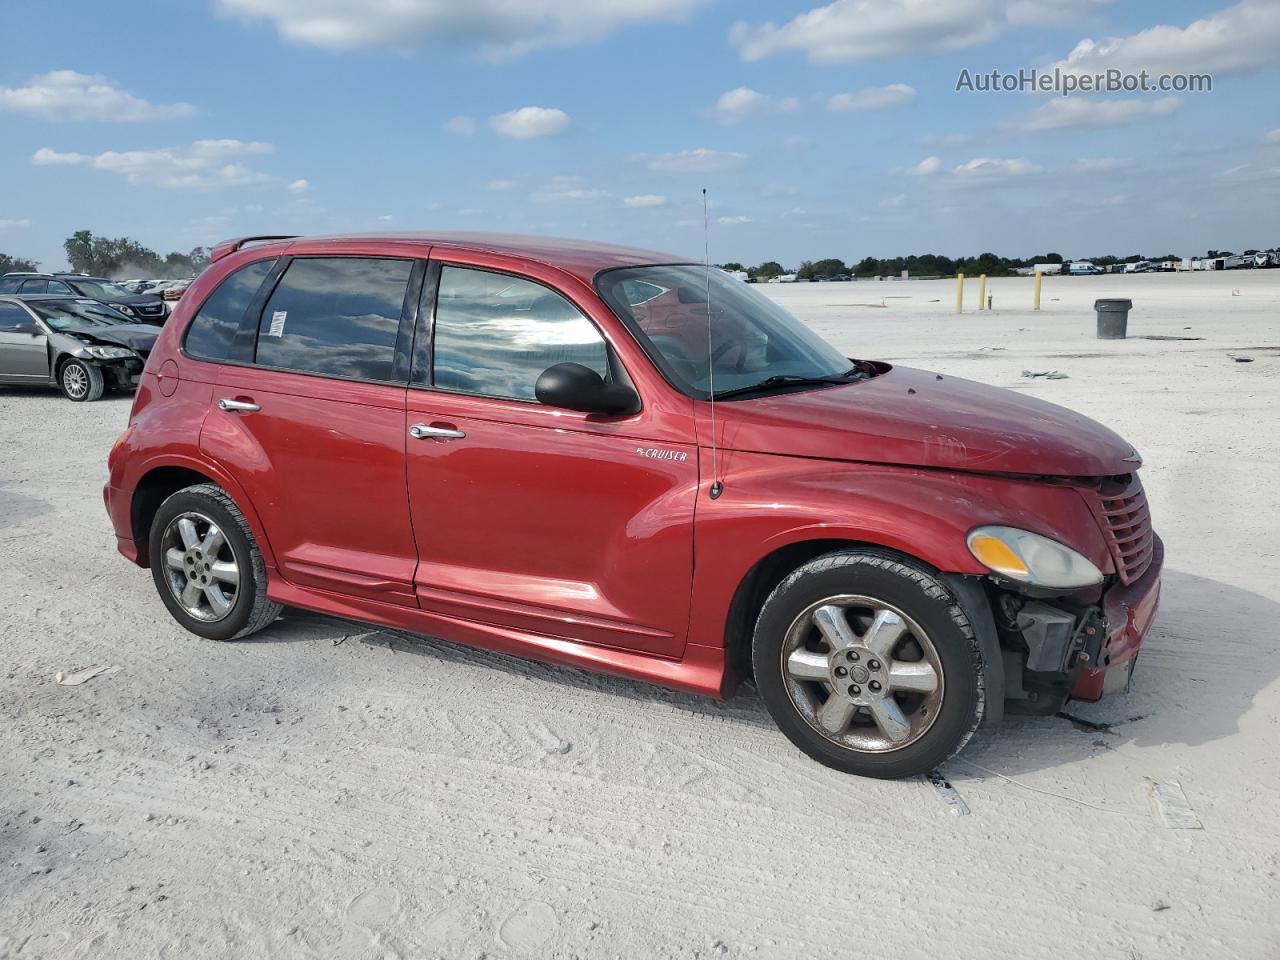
point(142, 307)
point(176, 289)
point(517, 442)
point(79, 345)
point(1083, 268)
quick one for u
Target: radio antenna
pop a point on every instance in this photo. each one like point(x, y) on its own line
point(717, 487)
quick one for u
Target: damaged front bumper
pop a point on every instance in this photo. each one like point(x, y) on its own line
point(1082, 648)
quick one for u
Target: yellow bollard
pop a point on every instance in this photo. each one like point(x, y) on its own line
point(1039, 276)
point(982, 289)
point(959, 292)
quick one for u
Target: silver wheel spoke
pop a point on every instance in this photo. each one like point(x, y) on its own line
point(888, 717)
point(217, 599)
point(191, 594)
point(174, 558)
point(835, 713)
point(226, 572)
point(213, 542)
point(187, 530)
point(884, 633)
point(804, 665)
point(834, 627)
point(912, 677)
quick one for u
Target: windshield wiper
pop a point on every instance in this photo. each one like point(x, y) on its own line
point(851, 375)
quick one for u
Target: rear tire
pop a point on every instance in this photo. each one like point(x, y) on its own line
point(207, 567)
point(80, 382)
point(868, 664)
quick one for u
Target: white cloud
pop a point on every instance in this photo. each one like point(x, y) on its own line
point(460, 126)
point(530, 122)
point(926, 167)
point(1082, 112)
point(496, 28)
point(742, 103)
point(205, 165)
point(10, 224)
point(700, 160)
point(566, 188)
point(298, 186)
point(501, 184)
point(1099, 164)
point(68, 95)
point(849, 30)
point(385, 218)
point(1240, 38)
point(986, 170)
point(872, 98)
point(733, 221)
point(894, 201)
point(645, 200)
point(1273, 136)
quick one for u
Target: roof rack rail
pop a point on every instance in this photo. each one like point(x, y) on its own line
point(226, 247)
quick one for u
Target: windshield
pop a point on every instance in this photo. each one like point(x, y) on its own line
point(66, 314)
point(101, 289)
point(751, 337)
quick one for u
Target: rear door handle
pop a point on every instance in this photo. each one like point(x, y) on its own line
point(420, 431)
point(242, 406)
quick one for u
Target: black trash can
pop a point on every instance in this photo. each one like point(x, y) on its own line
point(1113, 318)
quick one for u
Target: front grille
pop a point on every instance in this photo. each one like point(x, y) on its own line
point(150, 309)
point(1128, 519)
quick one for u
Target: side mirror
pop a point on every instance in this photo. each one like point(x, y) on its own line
point(575, 387)
point(30, 328)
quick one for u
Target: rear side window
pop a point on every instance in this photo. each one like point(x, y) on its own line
point(495, 334)
point(9, 284)
point(335, 316)
point(57, 286)
point(210, 335)
point(34, 286)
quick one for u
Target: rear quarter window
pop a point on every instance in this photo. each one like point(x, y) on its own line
point(214, 328)
point(336, 317)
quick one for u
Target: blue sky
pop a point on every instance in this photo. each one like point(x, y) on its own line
point(818, 129)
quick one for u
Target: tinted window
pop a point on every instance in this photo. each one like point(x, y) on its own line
point(336, 316)
point(494, 334)
point(12, 315)
point(9, 284)
point(57, 286)
point(34, 286)
point(214, 328)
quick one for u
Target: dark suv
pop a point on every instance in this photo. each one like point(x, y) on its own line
point(615, 459)
point(141, 307)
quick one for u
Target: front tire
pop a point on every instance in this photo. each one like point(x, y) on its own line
point(207, 567)
point(868, 664)
point(81, 382)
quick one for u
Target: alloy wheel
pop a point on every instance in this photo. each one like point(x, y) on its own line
point(75, 381)
point(862, 673)
point(200, 566)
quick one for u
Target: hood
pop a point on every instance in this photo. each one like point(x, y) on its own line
point(136, 336)
point(917, 418)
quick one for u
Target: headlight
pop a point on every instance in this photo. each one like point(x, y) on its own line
point(108, 353)
point(1032, 559)
point(123, 308)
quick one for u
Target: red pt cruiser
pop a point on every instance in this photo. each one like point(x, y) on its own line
point(615, 460)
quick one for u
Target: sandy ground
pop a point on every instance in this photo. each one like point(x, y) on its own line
point(332, 790)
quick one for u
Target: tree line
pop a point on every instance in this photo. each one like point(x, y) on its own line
point(926, 265)
point(116, 258)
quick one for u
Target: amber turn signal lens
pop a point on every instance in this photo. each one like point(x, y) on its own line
point(998, 556)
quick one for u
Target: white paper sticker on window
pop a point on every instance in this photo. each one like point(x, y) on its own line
point(277, 323)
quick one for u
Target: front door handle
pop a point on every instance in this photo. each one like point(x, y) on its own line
point(420, 431)
point(242, 406)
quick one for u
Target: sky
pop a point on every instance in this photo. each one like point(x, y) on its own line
point(817, 129)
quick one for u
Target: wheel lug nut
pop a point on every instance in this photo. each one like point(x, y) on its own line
point(852, 655)
point(854, 689)
point(874, 685)
point(873, 664)
point(841, 671)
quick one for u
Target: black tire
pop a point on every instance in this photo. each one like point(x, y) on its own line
point(250, 609)
point(922, 598)
point(80, 382)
